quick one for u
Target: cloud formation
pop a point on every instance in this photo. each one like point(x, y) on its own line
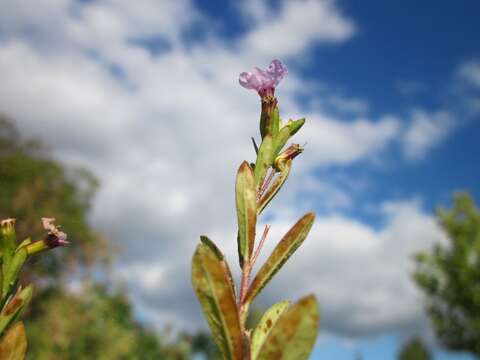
point(160, 119)
point(426, 130)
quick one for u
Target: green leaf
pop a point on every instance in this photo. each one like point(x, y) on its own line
point(207, 242)
point(215, 292)
point(7, 245)
point(274, 188)
point(281, 139)
point(25, 242)
point(13, 345)
point(14, 306)
point(294, 334)
point(265, 158)
point(265, 325)
point(276, 122)
point(219, 255)
point(246, 211)
point(295, 125)
point(286, 133)
point(14, 268)
point(282, 252)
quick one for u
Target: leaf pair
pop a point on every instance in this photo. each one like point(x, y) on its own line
point(286, 333)
point(213, 285)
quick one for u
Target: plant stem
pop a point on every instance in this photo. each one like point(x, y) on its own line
point(265, 184)
point(244, 282)
point(260, 245)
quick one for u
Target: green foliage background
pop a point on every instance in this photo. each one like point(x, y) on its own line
point(414, 349)
point(449, 275)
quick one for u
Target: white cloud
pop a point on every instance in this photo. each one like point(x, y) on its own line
point(425, 131)
point(470, 72)
point(299, 25)
point(346, 105)
point(334, 142)
point(360, 274)
point(165, 139)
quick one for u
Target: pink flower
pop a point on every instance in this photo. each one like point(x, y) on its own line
point(264, 81)
point(55, 237)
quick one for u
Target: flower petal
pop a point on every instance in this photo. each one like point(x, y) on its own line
point(259, 79)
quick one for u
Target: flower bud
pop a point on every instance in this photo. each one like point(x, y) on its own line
point(288, 154)
point(265, 82)
point(7, 240)
point(54, 238)
point(8, 227)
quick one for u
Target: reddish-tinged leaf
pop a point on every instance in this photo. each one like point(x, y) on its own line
point(206, 241)
point(13, 344)
point(293, 335)
point(282, 252)
point(214, 289)
point(16, 304)
point(265, 325)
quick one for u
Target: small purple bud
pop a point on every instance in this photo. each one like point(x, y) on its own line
point(264, 82)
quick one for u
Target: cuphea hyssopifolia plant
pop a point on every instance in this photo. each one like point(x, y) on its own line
point(14, 297)
point(285, 331)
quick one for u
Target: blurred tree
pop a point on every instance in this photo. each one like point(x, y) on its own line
point(91, 323)
point(414, 349)
point(202, 343)
point(95, 325)
point(34, 185)
point(449, 275)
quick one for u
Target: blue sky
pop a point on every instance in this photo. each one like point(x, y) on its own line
point(146, 95)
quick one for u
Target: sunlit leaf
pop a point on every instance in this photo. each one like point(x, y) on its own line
point(282, 252)
point(281, 139)
point(206, 241)
point(14, 306)
point(286, 133)
point(13, 345)
point(274, 187)
point(13, 268)
point(295, 125)
point(215, 292)
point(246, 211)
point(264, 159)
point(293, 335)
point(265, 325)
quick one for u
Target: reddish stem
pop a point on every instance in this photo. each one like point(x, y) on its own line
point(265, 184)
point(244, 282)
point(260, 245)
